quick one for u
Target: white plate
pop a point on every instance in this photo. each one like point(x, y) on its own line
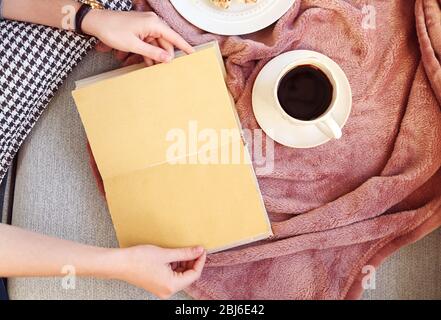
point(271, 120)
point(239, 19)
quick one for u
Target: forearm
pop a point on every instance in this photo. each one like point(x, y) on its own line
point(53, 13)
point(27, 254)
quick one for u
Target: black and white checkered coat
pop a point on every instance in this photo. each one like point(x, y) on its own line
point(34, 61)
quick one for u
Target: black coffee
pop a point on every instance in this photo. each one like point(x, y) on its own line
point(305, 93)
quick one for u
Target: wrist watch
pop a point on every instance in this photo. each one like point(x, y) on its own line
point(85, 8)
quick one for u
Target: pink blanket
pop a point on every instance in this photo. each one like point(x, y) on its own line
point(350, 203)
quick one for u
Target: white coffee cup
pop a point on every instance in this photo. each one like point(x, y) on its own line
point(325, 123)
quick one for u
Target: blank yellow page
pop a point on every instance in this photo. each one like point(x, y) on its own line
point(127, 118)
point(152, 201)
point(214, 205)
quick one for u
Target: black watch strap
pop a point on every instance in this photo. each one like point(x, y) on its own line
point(79, 17)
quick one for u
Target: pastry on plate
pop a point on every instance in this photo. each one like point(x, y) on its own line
point(225, 4)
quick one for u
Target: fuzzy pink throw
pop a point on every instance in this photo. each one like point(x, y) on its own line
point(352, 202)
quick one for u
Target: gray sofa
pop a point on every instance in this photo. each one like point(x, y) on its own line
point(52, 191)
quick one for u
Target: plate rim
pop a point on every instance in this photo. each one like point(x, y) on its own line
point(234, 28)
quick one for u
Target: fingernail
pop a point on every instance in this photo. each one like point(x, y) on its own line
point(200, 249)
point(165, 57)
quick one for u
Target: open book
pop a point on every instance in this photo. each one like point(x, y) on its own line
point(169, 148)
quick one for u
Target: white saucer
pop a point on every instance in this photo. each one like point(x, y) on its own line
point(271, 120)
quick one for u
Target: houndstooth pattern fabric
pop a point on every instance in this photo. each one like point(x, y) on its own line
point(34, 61)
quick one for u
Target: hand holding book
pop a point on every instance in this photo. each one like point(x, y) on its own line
point(128, 58)
point(160, 271)
point(143, 33)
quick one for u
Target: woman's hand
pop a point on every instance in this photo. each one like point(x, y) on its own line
point(162, 272)
point(128, 58)
point(142, 33)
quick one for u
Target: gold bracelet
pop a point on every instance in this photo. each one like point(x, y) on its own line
point(94, 4)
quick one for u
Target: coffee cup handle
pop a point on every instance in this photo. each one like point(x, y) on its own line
point(330, 128)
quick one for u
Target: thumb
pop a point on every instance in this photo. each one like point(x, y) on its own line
point(185, 279)
point(184, 254)
point(149, 51)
